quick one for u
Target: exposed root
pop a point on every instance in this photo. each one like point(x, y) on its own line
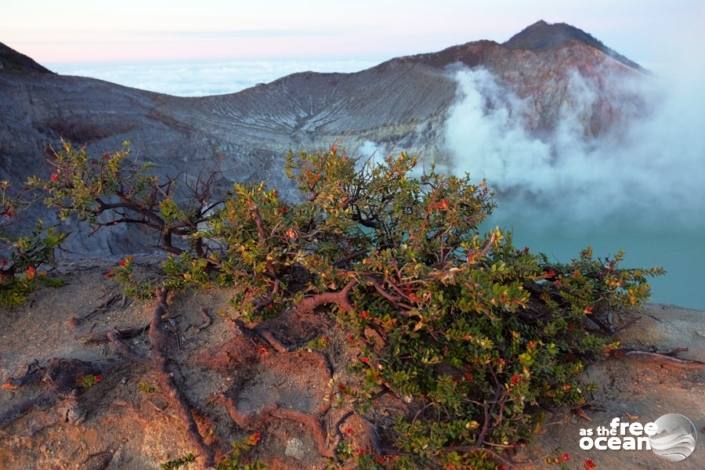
point(159, 363)
point(311, 420)
point(104, 336)
point(340, 298)
point(312, 423)
point(241, 419)
point(277, 345)
point(667, 359)
point(259, 335)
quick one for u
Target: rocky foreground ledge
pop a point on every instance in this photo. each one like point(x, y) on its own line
point(638, 388)
point(122, 419)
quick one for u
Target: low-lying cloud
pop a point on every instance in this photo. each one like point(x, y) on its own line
point(202, 78)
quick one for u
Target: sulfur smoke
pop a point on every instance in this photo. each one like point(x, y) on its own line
point(648, 170)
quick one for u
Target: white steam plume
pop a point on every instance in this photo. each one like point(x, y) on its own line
point(650, 169)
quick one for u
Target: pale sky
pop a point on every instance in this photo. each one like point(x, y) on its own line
point(53, 31)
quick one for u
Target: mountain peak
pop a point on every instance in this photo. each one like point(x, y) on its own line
point(13, 61)
point(543, 35)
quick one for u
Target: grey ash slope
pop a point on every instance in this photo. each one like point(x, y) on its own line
point(13, 61)
point(399, 104)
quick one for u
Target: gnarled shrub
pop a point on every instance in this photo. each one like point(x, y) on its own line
point(472, 334)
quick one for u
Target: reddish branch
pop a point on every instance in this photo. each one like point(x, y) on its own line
point(312, 423)
point(475, 255)
point(148, 216)
point(261, 232)
point(259, 335)
point(241, 419)
point(277, 345)
point(267, 300)
point(131, 203)
point(396, 301)
point(340, 298)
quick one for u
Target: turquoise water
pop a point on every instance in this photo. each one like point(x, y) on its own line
point(680, 251)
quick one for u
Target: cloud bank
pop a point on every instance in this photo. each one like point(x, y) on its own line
point(205, 77)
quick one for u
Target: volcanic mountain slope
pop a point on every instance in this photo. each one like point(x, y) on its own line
point(401, 104)
point(13, 61)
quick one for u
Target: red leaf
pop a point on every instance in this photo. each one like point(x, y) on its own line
point(253, 438)
point(8, 386)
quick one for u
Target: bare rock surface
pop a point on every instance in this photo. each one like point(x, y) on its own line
point(635, 389)
point(297, 380)
point(127, 421)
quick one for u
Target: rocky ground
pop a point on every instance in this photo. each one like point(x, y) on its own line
point(638, 388)
point(262, 384)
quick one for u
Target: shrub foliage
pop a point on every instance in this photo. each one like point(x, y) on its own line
point(473, 334)
point(22, 256)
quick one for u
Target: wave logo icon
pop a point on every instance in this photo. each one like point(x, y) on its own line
point(675, 437)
